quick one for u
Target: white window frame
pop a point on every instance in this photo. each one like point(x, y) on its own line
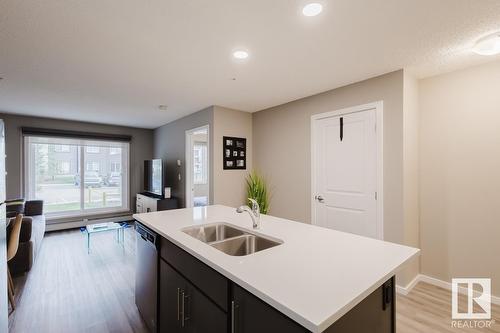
point(82, 212)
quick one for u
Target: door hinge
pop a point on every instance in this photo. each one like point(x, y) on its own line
point(375, 195)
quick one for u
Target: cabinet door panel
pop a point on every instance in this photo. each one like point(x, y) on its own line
point(212, 283)
point(252, 315)
point(374, 314)
point(183, 308)
point(202, 315)
point(171, 284)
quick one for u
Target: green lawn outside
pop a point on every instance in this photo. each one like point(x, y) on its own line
point(70, 206)
point(60, 179)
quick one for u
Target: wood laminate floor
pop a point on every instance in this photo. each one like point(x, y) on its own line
point(427, 308)
point(69, 291)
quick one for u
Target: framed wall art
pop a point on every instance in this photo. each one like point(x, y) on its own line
point(234, 153)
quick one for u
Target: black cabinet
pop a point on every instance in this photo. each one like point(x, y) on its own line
point(183, 308)
point(250, 314)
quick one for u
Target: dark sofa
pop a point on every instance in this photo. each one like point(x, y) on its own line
point(30, 239)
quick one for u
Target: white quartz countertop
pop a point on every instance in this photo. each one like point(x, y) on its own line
point(315, 277)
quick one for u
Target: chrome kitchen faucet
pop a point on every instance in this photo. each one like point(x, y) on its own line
point(254, 212)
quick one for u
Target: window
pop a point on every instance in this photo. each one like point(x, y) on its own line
point(93, 150)
point(92, 166)
point(61, 149)
point(63, 167)
point(200, 163)
point(78, 182)
point(115, 167)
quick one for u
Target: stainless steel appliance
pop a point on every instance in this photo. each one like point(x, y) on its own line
point(3, 237)
point(146, 275)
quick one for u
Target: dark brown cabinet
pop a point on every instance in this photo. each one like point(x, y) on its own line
point(250, 314)
point(374, 314)
point(183, 308)
point(194, 298)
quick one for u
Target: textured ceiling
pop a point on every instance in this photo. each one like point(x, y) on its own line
point(115, 61)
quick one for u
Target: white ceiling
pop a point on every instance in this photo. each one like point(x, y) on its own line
point(115, 61)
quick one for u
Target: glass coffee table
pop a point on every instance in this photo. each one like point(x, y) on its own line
point(102, 227)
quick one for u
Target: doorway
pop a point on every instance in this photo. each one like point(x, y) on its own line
point(197, 167)
point(347, 170)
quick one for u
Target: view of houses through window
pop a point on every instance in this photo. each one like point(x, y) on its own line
point(53, 173)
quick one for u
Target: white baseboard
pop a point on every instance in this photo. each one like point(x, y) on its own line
point(82, 223)
point(406, 290)
point(438, 283)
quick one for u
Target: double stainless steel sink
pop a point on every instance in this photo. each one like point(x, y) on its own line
point(230, 239)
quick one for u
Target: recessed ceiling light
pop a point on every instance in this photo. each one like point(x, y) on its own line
point(240, 54)
point(489, 45)
point(162, 107)
point(312, 9)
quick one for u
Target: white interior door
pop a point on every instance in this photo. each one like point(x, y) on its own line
point(345, 172)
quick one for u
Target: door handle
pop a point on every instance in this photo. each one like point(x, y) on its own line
point(319, 198)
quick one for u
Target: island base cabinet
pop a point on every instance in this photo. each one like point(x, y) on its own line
point(184, 309)
point(374, 314)
point(249, 314)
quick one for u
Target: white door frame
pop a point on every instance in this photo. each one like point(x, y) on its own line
point(189, 164)
point(379, 126)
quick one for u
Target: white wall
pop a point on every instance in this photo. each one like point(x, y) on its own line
point(460, 174)
point(411, 234)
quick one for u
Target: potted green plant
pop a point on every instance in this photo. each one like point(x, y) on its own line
point(257, 190)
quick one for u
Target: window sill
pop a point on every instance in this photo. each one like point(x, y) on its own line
point(92, 215)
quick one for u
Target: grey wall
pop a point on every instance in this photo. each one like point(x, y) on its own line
point(282, 149)
point(170, 143)
point(141, 148)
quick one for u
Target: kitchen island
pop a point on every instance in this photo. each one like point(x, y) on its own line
point(314, 280)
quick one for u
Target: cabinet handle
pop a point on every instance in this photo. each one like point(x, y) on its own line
point(185, 316)
point(234, 306)
point(178, 303)
point(183, 308)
